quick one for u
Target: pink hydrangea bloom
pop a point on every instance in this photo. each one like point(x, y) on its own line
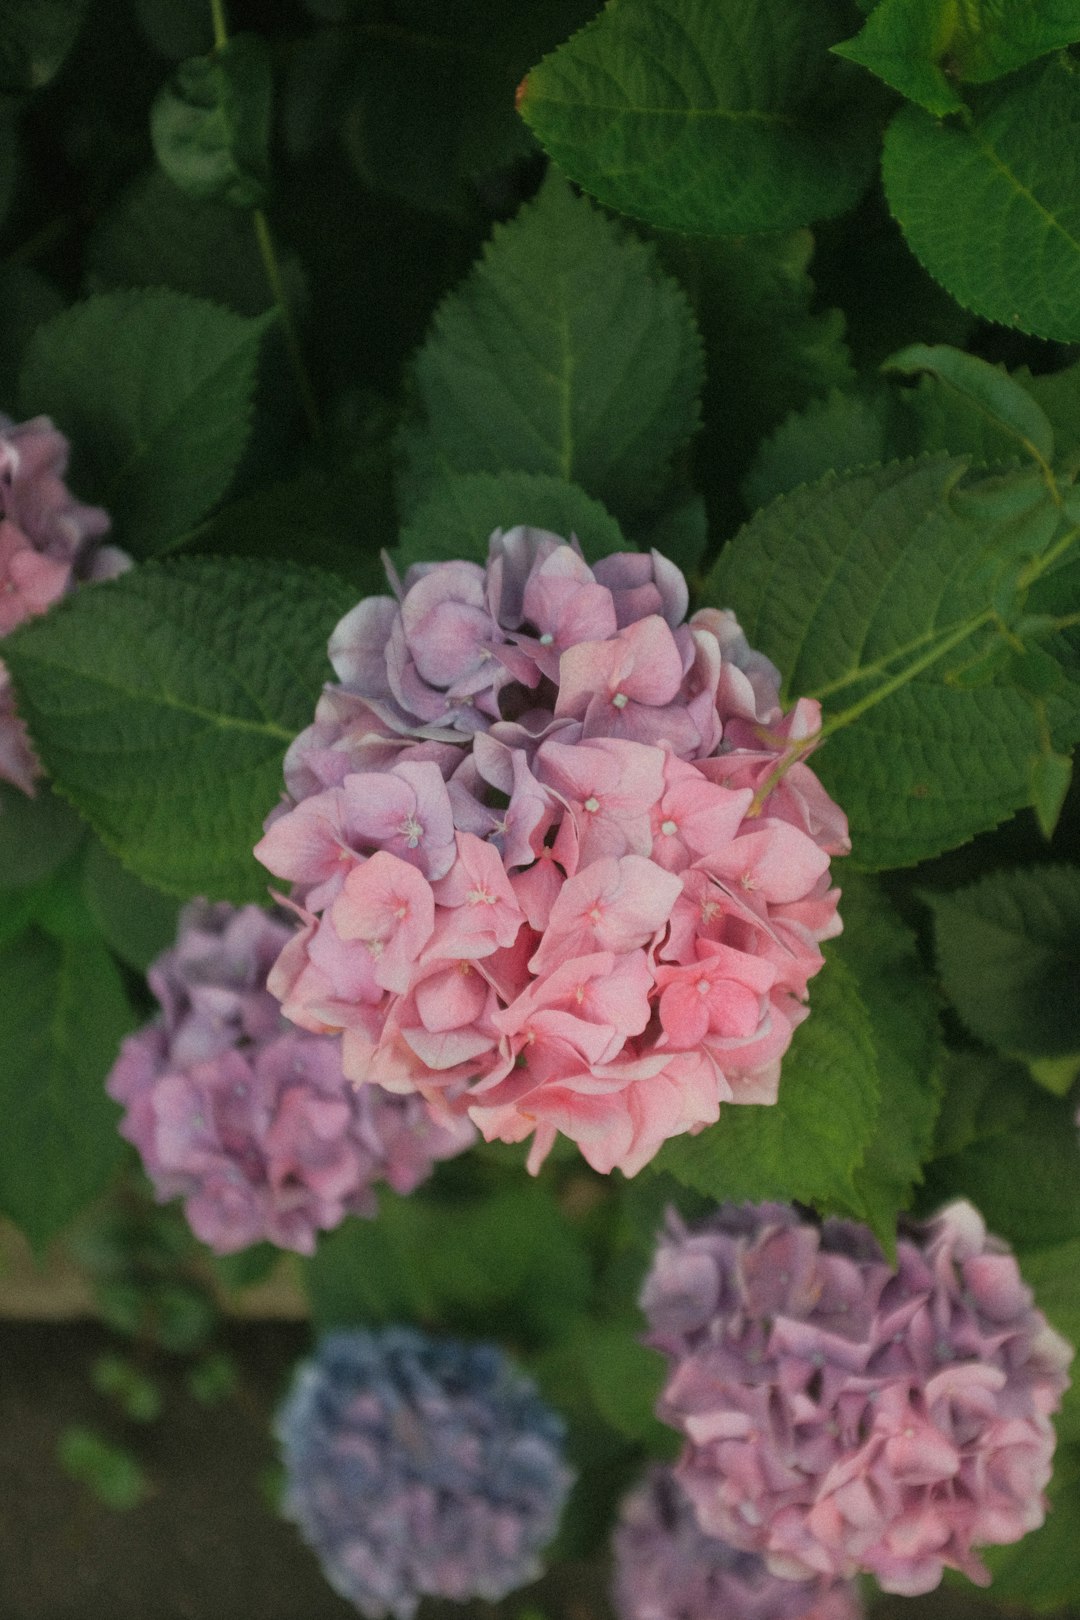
point(249, 1120)
point(842, 1416)
point(47, 545)
point(558, 859)
point(667, 1568)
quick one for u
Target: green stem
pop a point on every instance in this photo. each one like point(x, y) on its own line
point(292, 339)
point(1039, 565)
point(221, 32)
point(961, 633)
point(864, 671)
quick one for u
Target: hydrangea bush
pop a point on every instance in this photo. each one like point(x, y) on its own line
point(493, 501)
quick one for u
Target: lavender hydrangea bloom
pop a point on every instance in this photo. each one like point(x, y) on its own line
point(842, 1416)
point(420, 1467)
point(667, 1568)
point(252, 1121)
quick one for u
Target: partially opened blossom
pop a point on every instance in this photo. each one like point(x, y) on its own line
point(667, 1568)
point(842, 1415)
point(419, 1467)
point(249, 1120)
point(533, 779)
point(48, 544)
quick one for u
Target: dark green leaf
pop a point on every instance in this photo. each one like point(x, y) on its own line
point(1008, 949)
point(1000, 225)
point(176, 28)
point(36, 835)
point(901, 559)
point(1051, 777)
point(694, 116)
point(994, 37)
point(155, 236)
point(1024, 1181)
point(154, 390)
point(36, 37)
point(809, 1144)
point(624, 1379)
point(162, 705)
point(137, 921)
point(211, 124)
point(462, 512)
point(981, 1097)
point(567, 351)
point(899, 998)
point(510, 1263)
point(839, 433)
point(902, 41)
point(770, 351)
point(63, 1013)
point(988, 392)
point(27, 300)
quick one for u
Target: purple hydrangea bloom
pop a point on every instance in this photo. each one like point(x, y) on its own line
point(249, 1120)
point(667, 1568)
point(47, 545)
point(841, 1415)
point(420, 1467)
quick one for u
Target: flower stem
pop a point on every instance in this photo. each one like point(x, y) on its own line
point(221, 32)
point(292, 339)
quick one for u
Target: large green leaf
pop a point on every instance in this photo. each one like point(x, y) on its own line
point(460, 514)
point(154, 390)
point(567, 351)
point(137, 921)
point(811, 1141)
point(210, 124)
point(162, 705)
point(839, 433)
point(1008, 949)
point(713, 116)
point(991, 205)
point(63, 1012)
point(850, 585)
point(987, 392)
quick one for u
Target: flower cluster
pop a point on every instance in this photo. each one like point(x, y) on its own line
point(420, 1467)
point(667, 1568)
point(47, 545)
point(252, 1121)
point(844, 1416)
point(559, 861)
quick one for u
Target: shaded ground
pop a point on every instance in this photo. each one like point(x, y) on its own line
point(206, 1545)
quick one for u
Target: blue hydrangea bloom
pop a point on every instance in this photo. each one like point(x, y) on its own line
point(420, 1467)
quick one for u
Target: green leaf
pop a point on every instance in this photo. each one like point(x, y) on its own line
point(1000, 226)
point(839, 433)
point(903, 41)
point(704, 117)
point(27, 299)
point(162, 705)
point(1055, 1075)
point(36, 835)
point(1058, 394)
point(770, 350)
point(110, 1472)
point(462, 512)
point(63, 1013)
point(136, 921)
point(884, 960)
point(994, 37)
point(155, 236)
point(568, 352)
point(510, 1262)
point(317, 519)
point(901, 560)
point(137, 1395)
point(1008, 950)
point(624, 1379)
point(988, 392)
point(982, 1097)
point(210, 124)
point(154, 390)
point(1023, 1181)
point(36, 37)
point(809, 1143)
point(1051, 777)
